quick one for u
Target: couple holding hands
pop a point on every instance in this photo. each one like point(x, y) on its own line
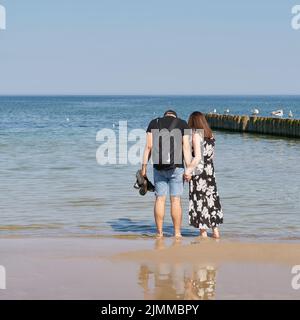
point(183, 151)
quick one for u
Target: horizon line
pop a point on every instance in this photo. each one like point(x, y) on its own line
point(143, 94)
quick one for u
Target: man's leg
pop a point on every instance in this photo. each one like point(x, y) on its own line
point(161, 191)
point(176, 213)
point(176, 190)
point(159, 213)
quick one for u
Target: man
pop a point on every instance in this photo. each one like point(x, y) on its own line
point(168, 143)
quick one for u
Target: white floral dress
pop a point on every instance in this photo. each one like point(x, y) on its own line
point(205, 209)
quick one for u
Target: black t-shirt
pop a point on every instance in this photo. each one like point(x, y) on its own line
point(167, 123)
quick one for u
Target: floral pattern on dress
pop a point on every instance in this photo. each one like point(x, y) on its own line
point(205, 209)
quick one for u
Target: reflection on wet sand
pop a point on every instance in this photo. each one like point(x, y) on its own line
point(177, 281)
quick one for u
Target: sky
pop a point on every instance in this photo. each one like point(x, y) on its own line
point(149, 47)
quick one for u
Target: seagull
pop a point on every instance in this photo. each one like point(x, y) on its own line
point(227, 111)
point(255, 111)
point(215, 111)
point(291, 114)
point(277, 113)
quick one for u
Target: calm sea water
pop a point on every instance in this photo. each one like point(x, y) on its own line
point(51, 184)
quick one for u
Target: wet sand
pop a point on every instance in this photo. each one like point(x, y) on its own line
point(110, 268)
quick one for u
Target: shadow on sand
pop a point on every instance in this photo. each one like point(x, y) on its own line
point(146, 228)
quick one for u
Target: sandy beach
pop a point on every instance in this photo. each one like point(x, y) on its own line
point(112, 268)
point(125, 121)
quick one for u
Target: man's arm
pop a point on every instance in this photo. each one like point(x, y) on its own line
point(187, 152)
point(147, 152)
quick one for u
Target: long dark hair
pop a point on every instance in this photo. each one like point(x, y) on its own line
point(197, 120)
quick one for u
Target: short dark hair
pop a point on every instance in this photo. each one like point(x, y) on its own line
point(170, 112)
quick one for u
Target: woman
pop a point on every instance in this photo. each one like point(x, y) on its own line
point(205, 210)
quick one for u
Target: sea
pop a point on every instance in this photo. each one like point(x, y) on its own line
point(51, 184)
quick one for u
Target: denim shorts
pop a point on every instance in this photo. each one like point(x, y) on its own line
point(168, 180)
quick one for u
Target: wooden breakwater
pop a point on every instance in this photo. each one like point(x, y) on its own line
point(255, 124)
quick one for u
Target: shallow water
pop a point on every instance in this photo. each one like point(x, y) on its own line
point(51, 184)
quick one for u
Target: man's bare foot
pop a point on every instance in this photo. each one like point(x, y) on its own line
point(159, 235)
point(216, 233)
point(178, 236)
point(203, 233)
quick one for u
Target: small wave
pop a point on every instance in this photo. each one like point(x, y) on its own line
point(29, 227)
point(86, 202)
point(62, 168)
point(20, 168)
point(89, 227)
point(114, 236)
point(290, 238)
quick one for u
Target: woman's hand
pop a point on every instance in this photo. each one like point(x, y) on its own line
point(187, 177)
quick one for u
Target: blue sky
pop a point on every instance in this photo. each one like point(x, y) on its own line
point(149, 47)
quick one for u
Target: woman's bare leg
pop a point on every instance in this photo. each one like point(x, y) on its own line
point(216, 233)
point(203, 233)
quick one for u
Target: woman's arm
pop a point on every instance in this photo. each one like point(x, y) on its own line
point(197, 154)
point(187, 152)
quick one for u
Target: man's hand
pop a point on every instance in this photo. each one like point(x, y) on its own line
point(187, 177)
point(144, 171)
